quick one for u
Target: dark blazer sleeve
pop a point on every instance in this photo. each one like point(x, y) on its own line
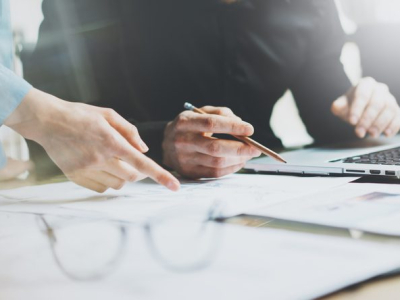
point(152, 133)
point(322, 79)
point(49, 68)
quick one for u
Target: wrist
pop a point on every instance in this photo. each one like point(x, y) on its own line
point(33, 115)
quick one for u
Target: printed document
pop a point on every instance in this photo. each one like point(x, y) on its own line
point(138, 201)
point(366, 207)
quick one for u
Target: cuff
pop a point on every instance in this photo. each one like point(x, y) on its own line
point(12, 90)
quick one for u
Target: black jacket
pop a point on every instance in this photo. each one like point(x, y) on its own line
point(145, 58)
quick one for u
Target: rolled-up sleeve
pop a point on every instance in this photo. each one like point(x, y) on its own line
point(12, 90)
point(12, 87)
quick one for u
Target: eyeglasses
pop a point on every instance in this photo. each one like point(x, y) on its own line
point(181, 239)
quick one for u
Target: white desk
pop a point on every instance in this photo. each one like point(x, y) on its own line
point(387, 287)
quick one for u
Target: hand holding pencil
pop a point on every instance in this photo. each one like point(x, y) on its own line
point(244, 139)
point(190, 149)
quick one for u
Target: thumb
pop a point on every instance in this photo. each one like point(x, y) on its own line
point(340, 107)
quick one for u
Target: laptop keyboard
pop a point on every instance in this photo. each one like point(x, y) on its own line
point(390, 157)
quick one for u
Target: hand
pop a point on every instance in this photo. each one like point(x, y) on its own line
point(94, 147)
point(14, 168)
point(371, 108)
point(190, 149)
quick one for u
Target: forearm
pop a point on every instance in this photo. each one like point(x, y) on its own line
point(322, 79)
point(315, 94)
point(34, 114)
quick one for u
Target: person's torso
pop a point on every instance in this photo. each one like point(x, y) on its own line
point(148, 57)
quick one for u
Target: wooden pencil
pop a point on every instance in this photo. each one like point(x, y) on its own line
point(244, 139)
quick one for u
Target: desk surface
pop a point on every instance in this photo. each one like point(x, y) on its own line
point(389, 286)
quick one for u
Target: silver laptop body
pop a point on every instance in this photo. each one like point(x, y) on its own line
point(377, 157)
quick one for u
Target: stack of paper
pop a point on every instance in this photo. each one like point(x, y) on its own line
point(139, 201)
point(357, 206)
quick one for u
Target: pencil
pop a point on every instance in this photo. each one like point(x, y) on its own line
point(244, 139)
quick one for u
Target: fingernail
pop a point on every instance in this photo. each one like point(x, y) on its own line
point(256, 153)
point(388, 132)
point(173, 185)
point(353, 120)
point(248, 128)
point(144, 147)
point(361, 132)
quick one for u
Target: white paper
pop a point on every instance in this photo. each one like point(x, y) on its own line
point(250, 264)
point(357, 206)
point(139, 201)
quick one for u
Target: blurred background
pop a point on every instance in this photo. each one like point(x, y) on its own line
point(372, 49)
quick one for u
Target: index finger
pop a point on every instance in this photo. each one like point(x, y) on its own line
point(222, 111)
point(148, 167)
point(193, 122)
point(359, 98)
point(122, 149)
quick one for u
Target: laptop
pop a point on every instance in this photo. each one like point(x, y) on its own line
point(378, 157)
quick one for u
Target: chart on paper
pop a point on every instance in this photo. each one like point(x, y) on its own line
point(366, 207)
